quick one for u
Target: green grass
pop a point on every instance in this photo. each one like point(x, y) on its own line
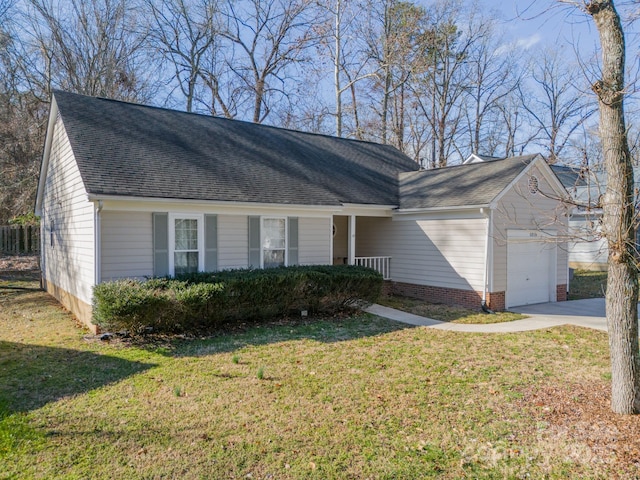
point(586, 284)
point(356, 397)
point(446, 313)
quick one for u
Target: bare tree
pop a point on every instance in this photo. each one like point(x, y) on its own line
point(341, 33)
point(269, 37)
point(92, 47)
point(21, 119)
point(556, 106)
point(398, 39)
point(619, 212)
point(494, 74)
point(184, 33)
point(439, 90)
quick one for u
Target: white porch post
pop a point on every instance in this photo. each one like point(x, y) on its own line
point(352, 239)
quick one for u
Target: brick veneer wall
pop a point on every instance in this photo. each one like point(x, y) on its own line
point(448, 296)
point(496, 301)
point(561, 293)
point(453, 296)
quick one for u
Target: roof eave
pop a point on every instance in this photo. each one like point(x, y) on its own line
point(409, 211)
point(44, 166)
point(185, 201)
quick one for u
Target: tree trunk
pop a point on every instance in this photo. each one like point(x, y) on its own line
point(619, 214)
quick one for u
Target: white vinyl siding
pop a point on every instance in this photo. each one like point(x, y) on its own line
point(233, 242)
point(68, 218)
point(430, 250)
point(371, 239)
point(519, 209)
point(314, 241)
point(126, 245)
point(590, 253)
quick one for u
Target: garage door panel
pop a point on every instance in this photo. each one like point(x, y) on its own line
point(529, 271)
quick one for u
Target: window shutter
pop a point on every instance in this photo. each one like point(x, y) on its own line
point(292, 241)
point(210, 243)
point(160, 244)
point(254, 242)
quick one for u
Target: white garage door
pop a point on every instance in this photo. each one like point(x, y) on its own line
point(530, 268)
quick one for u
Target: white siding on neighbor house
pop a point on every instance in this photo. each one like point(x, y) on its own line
point(233, 241)
point(436, 251)
point(67, 223)
point(314, 241)
point(127, 245)
point(519, 209)
point(591, 252)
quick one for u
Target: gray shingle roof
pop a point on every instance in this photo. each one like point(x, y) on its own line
point(125, 149)
point(569, 176)
point(461, 185)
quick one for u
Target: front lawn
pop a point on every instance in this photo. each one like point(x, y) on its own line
point(446, 313)
point(357, 397)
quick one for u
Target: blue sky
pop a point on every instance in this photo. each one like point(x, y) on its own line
point(541, 23)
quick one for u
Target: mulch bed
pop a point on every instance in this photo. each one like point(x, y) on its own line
point(19, 266)
point(581, 413)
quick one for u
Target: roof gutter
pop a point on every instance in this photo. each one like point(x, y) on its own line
point(409, 211)
point(131, 198)
point(97, 243)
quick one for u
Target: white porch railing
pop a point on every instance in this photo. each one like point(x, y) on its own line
point(381, 264)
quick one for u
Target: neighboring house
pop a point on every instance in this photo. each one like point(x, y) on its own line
point(128, 191)
point(587, 246)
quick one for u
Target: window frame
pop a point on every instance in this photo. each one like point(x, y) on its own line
point(172, 238)
point(285, 248)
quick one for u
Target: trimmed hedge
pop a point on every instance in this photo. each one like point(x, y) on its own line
point(205, 301)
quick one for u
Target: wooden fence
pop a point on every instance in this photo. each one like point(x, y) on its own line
point(20, 239)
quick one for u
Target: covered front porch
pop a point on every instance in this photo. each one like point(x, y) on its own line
point(362, 240)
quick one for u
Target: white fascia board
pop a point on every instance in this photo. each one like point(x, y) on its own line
point(44, 166)
point(144, 204)
point(367, 210)
point(130, 203)
point(412, 211)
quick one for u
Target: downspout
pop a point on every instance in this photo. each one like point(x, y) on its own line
point(97, 244)
point(487, 258)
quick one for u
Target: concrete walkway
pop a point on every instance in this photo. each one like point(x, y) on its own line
point(587, 313)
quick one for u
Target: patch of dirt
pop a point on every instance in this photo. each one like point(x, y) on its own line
point(19, 266)
point(580, 414)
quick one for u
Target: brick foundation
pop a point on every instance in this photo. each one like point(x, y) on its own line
point(387, 287)
point(561, 293)
point(448, 296)
point(496, 301)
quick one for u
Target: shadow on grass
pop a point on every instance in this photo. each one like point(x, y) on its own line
point(33, 375)
point(324, 330)
point(21, 275)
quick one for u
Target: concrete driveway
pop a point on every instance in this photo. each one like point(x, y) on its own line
point(587, 313)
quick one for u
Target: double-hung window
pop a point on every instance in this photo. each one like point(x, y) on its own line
point(186, 242)
point(273, 241)
point(274, 244)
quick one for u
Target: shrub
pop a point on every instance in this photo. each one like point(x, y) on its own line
point(203, 301)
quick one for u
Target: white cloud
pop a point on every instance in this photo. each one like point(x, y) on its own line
point(528, 42)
